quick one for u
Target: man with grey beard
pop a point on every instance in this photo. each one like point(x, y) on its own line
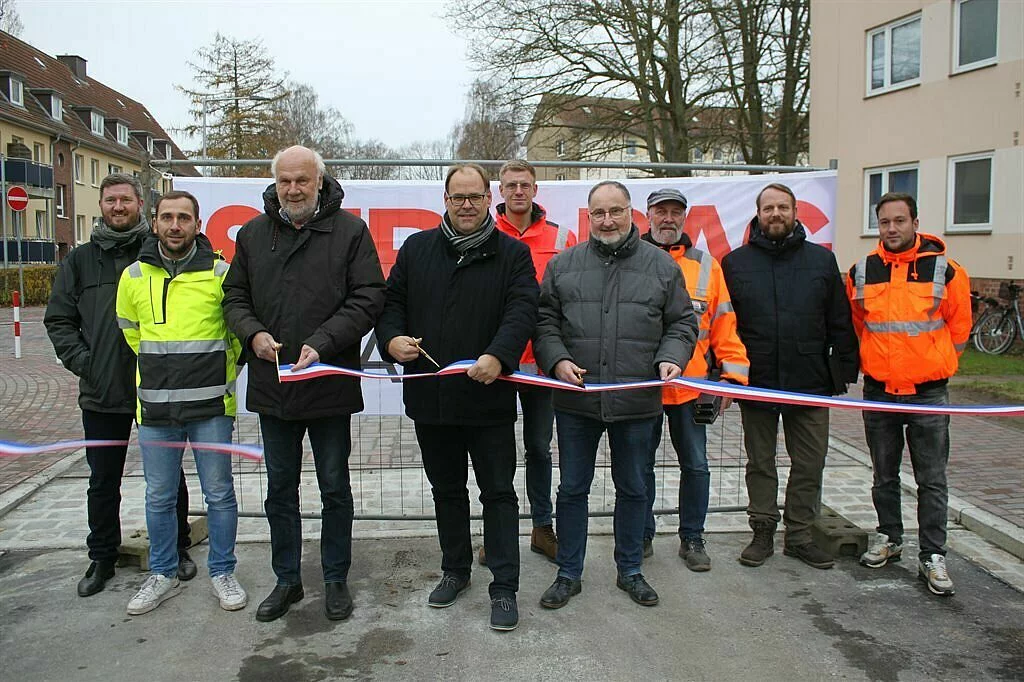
point(613, 309)
point(305, 286)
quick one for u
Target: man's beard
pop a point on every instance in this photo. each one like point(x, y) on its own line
point(778, 230)
point(674, 235)
point(302, 212)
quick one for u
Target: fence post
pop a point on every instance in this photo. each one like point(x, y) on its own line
point(16, 301)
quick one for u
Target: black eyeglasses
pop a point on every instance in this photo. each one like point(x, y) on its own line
point(460, 199)
point(615, 212)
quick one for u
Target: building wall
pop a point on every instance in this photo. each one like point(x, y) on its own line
point(37, 142)
point(945, 115)
point(87, 188)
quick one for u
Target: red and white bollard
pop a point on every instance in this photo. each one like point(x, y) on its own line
point(16, 299)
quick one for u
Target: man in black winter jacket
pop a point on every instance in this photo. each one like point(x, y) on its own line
point(794, 320)
point(305, 285)
point(82, 326)
point(465, 291)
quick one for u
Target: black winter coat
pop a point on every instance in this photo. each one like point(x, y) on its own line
point(321, 286)
point(791, 309)
point(462, 307)
point(82, 326)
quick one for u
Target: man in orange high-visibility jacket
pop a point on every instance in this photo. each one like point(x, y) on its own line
point(520, 218)
point(912, 312)
point(717, 339)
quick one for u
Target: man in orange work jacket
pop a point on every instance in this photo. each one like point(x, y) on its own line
point(716, 338)
point(520, 218)
point(912, 312)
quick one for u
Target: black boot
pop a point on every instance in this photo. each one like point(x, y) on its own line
point(762, 546)
point(95, 578)
point(337, 601)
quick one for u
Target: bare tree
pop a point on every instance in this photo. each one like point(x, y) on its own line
point(663, 71)
point(369, 149)
point(301, 119)
point(10, 21)
point(488, 130)
point(238, 89)
point(434, 149)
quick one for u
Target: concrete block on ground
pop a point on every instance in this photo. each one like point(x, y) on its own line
point(837, 535)
point(134, 550)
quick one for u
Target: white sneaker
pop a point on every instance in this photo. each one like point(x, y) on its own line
point(156, 590)
point(229, 591)
point(882, 552)
point(933, 572)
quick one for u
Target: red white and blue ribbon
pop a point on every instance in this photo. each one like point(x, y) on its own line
point(713, 387)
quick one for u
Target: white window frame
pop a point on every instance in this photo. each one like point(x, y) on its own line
point(79, 166)
point(37, 152)
point(56, 108)
point(885, 171)
point(951, 188)
point(980, 64)
point(96, 123)
point(114, 168)
point(560, 148)
point(16, 90)
point(42, 225)
point(58, 200)
point(122, 134)
point(79, 229)
point(94, 172)
point(887, 29)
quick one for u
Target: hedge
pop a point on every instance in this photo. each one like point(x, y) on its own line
point(38, 281)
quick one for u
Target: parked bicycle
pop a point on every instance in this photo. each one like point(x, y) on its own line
point(996, 329)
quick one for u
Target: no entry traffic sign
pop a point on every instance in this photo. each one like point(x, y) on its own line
point(17, 198)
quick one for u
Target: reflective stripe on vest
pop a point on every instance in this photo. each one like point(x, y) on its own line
point(135, 270)
point(703, 334)
point(181, 395)
point(901, 327)
point(723, 308)
point(166, 347)
point(735, 368)
point(938, 284)
point(703, 275)
point(220, 267)
point(561, 238)
point(125, 323)
point(860, 275)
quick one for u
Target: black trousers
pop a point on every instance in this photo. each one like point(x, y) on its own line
point(106, 467)
point(493, 451)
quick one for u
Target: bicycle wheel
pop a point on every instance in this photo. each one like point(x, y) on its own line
point(976, 328)
point(995, 333)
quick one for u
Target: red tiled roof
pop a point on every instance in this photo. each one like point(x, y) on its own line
point(43, 72)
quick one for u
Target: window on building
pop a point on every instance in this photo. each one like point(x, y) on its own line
point(79, 167)
point(894, 55)
point(58, 201)
point(112, 168)
point(42, 225)
point(56, 108)
point(79, 229)
point(560, 176)
point(94, 172)
point(975, 29)
point(970, 192)
point(718, 156)
point(560, 148)
point(37, 153)
point(630, 147)
point(878, 181)
point(698, 156)
point(122, 134)
point(17, 92)
point(97, 123)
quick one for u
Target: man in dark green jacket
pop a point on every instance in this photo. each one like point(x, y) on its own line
point(81, 324)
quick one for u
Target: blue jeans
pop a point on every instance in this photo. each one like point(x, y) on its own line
point(538, 420)
point(161, 465)
point(927, 436)
point(578, 439)
point(330, 438)
point(690, 442)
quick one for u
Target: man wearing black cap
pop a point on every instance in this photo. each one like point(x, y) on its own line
point(719, 352)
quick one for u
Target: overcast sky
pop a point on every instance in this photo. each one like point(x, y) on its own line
point(391, 68)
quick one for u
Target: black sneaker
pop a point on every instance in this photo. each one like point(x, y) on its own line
point(638, 589)
point(447, 591)
point(695, 555)
point(504, 613)
point(558, 595)
point(811, 555)
point(186, 567)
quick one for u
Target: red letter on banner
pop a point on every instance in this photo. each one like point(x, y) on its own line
point(384, 221)
point(220, 224)
point(705, 219)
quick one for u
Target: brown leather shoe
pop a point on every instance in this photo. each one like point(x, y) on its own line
point(543, 541)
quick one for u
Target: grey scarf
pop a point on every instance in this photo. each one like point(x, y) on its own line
point(466, 242)
point(109, 238)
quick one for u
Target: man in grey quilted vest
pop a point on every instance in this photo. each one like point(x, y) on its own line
point(613, 309)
